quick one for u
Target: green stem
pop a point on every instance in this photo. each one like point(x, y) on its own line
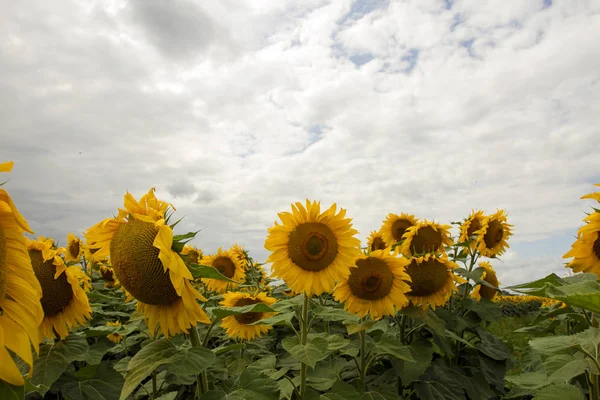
point(363, 360)
point(202, 386)
point(304, 333)
point(153, 396)
point(403, 329)
point(207, 337)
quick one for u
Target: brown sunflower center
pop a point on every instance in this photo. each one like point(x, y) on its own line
point(494, 234)
point(249, 317)
point(426, 240)
point(56, 293)
point(225, 266)
point(596, 247)
point(192, 257)
point(399, 227)
point(136, 264)
point(486, 291)
point(312, 246)
point(74, 249)
point(371, 280)
point(3, 265)
point(107, 273)
point(428, 278)
point(378, 244)
point(473, 227)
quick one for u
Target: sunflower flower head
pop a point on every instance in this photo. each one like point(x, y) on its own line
point(114, 337)
point(64, 299)
point(312, 250)
point(585, 251)
point(394, 226)
point(191, 254)
point(489, 275)
point(20, 293)
point(139, 243)
point(377, 285)
point(375, 241)
point(241, 254)
point(228, 264)
point(432, 280)
point(74, 249)
point(426, 237)
point(238, 326)
point(492, 236)
point(471, 225)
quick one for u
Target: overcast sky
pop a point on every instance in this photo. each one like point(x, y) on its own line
point(233, 110)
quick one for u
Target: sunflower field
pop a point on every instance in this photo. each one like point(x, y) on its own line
point(130, 310)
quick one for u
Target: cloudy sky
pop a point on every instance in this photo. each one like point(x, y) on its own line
point(234, 109)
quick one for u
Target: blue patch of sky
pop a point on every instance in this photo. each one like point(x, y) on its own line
point(361, 8)
point(468, 44)
point(457, 20)
point(547, 3)
point(361, 59)
point(411, 58)
point(554, 246)
point(315, 133)
point(449, 4)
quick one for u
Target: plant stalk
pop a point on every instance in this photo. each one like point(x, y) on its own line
point(363, 360)
point(153, 385)
point(304, 335)
point(202, 380)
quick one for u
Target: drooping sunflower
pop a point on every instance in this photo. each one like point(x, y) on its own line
point(192, 254)
point(228, 264)
point(64, 300)
point(311, 250)
point(394, 226)
point(375, 241)
point(426, 237)
point(490, 277)
point(139, 243)
point(492, 237)
point(108, 274)
point(74, 249)
point(586, 249)
point(471, 225)
point(20, 293)
point(238, 326)
point(432, 280)
point(377, 285)
point(241, 254)
point(114, 337)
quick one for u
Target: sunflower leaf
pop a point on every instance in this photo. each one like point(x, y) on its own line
point(562, 391)
point(10, 392)
point(335, 314)
point(584, 295)
point(222, 312)
point(190, 361)
point(279, 319)
point(206, 271)
point(310, 353)
point(390, 345)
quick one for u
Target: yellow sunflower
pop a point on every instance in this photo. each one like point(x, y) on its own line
point(377, 285)
point(20, 309)
point(74, 249)
point(228, 264)
point(432, 280)
point(594, 196)
point(114, 337)
point(192, 254)
point(238, 326)
point(490, 277)
point(375, 241)
point(139, 243)
point(394, 226)
point(426, 237)
point(586, 249)
point(311, 250)
point(64, 301)
point(470, 226)
point(493, 235)
point(108, 274)
point(241, 254)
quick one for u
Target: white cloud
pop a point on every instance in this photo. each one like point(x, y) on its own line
point(232, 111)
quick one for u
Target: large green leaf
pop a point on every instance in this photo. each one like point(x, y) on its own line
point(570, 370)
point(485, 309)
point(390, 345)
point(529, 380)
point(190, 361)
point(279, 319)
point(250, 386)
point(54, 359)
point(353, 328)
point(310, 353)
point(538, 287)
point(342, 391)
point(561, 391)
point(409, 371)
point(10, 392)
point(221, 312)
point(335, 314)
point(205, 271)
point(492, 346)
point(428, 317)
point(105, 385)
point(584, 295)
point(97, 351)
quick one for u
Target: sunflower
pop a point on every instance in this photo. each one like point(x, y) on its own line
point(228, 264)
point(490, 277)
point(493, 235)
point(238, 326)
point(114, 337)
point(394, 226)
point(432, 280)
point(426, 237)
point(311, 250)
point(375, 241)
point(108, 274)
point(64, 301)
point(20, 309)
point(139, 243)
point(241, 254)
point(192, 254)
point(586, 249)
point(377, 285)
point(594, 196)
point(74, 249)
point(470, 226)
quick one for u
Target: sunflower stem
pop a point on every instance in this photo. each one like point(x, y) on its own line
point(153, 396)
point(403, 329)
point(202, 380)
point(363, 358)
point(304, 334)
